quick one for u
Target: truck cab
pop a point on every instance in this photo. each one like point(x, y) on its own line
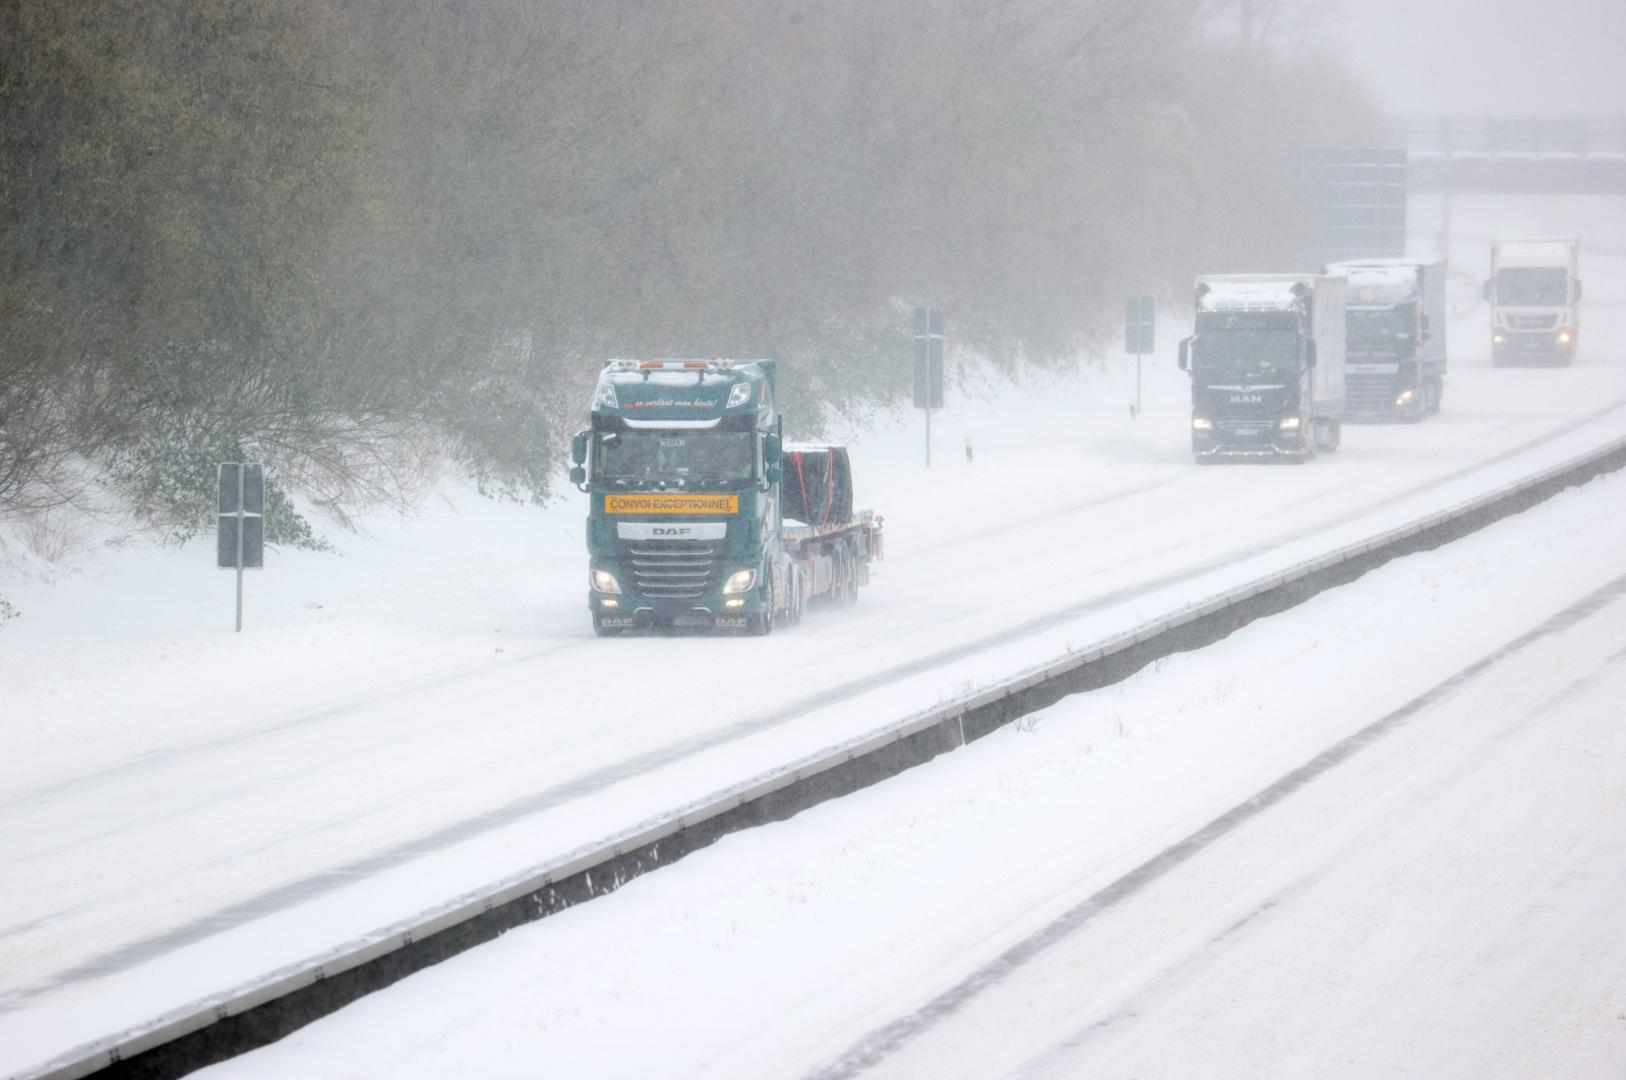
point(681, 464)
point(1266, 363)
point(1535, 294)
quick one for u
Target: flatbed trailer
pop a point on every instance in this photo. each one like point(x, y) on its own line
point(832, 545)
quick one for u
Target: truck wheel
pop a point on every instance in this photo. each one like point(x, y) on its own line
point(1436, 394)
point(793, 607)
point(845, 593)
point(761, 625)
point(1335, 435)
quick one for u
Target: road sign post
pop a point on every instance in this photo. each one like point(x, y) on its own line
point(1138, 336)
point(928, 381)
point(240, 538)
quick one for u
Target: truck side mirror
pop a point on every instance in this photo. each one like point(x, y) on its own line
point(1309, 353)
point(1577, 290)
point(1185, 354)
point(773, 449)
point(578, 475)
point(578, 449)
point(1488, 290)
point(1423, 333)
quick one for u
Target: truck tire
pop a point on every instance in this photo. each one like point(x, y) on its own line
point(845, 593)
point(793, 606)
point(761, 625)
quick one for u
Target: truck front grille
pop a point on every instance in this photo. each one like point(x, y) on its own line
point(1368, 393)
point(671, 569)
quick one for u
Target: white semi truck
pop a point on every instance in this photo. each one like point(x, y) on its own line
point(1535, 297)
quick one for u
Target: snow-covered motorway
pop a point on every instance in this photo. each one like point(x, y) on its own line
point(171, 830)
point(180, 813)
point(1382, 834)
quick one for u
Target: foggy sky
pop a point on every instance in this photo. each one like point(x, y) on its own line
point(1426, 57)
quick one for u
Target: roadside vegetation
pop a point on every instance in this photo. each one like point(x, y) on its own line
point(364, 241)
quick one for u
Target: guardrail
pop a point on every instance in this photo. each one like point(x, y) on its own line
point(268, 1008)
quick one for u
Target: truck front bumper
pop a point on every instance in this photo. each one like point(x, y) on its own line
point(1526, 347)
point(623, 612)
point(1248, 443)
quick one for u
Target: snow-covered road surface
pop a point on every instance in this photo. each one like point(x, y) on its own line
point(189, 812)
point(1428, 885)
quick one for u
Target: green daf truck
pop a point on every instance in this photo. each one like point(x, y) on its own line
point(698, 516)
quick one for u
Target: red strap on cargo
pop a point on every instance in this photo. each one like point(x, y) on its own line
point(801, 480)
point(829, 487)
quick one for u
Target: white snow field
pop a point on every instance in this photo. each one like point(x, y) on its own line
point(183, 809)
point(1438, 897)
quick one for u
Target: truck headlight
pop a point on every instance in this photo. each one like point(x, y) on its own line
point(1201, 423)
point(1496, 339)
point(604, 581)
point(740, 581)
point(1563, 337)
point(739, 395)
point(1405, 396)
point(1289, 423)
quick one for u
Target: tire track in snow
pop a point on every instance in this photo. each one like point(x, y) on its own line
point(1056, 1058)
point(880, 1044)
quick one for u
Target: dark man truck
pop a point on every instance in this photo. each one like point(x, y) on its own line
point(1266, 360)
point(1394, 332)
point(698, 517)
point(1535, 300)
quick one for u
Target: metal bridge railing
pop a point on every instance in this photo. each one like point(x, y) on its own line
point(1512, 137)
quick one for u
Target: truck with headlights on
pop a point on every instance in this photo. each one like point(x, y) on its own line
point(1394, 332)
point(1266, 360)
point(1534, 293)
point(698, 516)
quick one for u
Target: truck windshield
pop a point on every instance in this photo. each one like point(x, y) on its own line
point(1247, 356)
point(1384, 330)
point(1533, 286)
point(629, 458)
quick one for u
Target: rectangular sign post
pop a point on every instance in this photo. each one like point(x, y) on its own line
point(240, 539)
point(1138, 337)
point(928, 383)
